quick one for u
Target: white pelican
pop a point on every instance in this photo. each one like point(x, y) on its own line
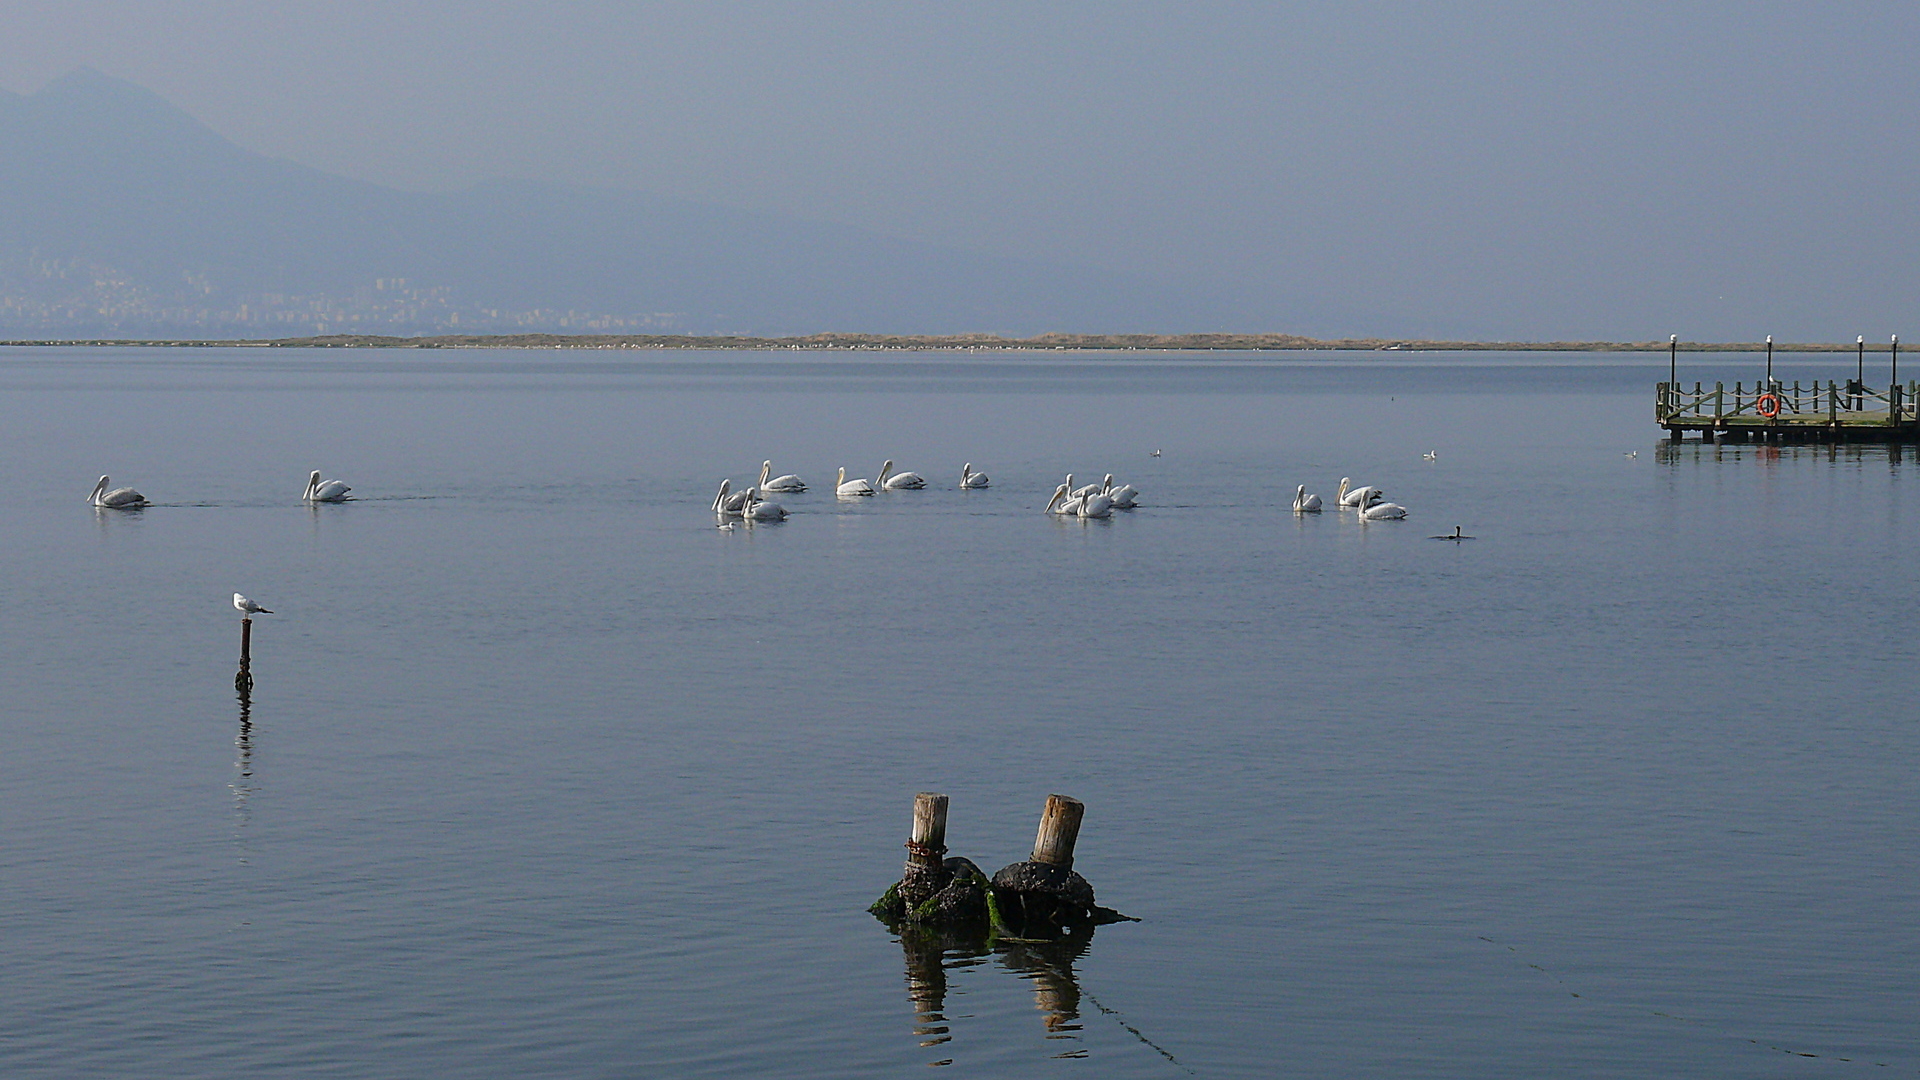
point(845, 487)
point(1355, 498)
point(1122, 496)
point(1304, 503)
point(118, 498)
point(319, 490)
point(893, 481)
point(759, 509)
point(1094, 505)
point(971, 479)
point(1385, 511)
point(247, 607)
point(788, 482)
point(728, 501)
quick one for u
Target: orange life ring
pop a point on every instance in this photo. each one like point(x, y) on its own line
point(1767, 405)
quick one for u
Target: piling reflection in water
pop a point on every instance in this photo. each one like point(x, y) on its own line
point(1694, 453)
point(242, 784)
point(932, 954)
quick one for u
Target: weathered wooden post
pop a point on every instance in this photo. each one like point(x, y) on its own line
point(1059, 828)
point(933, 889)
point(1045, 893)
point(243, 681)
point(925, 873)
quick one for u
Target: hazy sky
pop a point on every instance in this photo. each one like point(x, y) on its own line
point(1717, 169)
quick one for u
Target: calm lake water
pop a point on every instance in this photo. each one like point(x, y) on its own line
point(544, 775)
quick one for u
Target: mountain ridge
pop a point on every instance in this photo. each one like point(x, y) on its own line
point(128, 217)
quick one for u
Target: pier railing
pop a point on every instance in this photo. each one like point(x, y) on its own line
point(1780, 404)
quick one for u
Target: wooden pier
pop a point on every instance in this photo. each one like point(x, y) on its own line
point(1777, 412)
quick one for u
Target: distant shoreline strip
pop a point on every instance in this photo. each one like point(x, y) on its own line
point(938, 343)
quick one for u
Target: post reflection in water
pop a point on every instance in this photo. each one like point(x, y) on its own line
point(242, 784)
point(931, 954)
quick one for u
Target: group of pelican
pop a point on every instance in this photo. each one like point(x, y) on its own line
point(1092, 500)
point(1367, 501)
point(126, 498)
point(751, 504)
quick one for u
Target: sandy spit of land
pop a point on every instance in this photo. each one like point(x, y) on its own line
point(940, 342)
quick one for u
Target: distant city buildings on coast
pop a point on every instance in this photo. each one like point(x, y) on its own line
point(73, 297)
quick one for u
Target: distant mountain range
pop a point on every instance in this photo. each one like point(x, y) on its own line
point(122, 216)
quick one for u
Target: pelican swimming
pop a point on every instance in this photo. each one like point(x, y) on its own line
point(728, 501)
point(1355, 498)
point(845, 487)
point(117, 499)
point(893, 481)
point(1385, 511)
point(247, 607)
point(1094, 505)
point(319, 490)
point(759, 509)
point(1304, 503)
point(971, 479)
point(1080, 492)
point(788, 482)
point(1122, 496)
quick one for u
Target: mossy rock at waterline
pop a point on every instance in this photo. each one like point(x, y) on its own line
point(1023, 900)
point(958, 893)
point(1034, 897)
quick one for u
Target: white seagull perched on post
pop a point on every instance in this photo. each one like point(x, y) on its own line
point(247, 607)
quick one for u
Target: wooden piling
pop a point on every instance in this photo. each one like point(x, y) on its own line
point(929, 836)
point(926, 872)
point(1059, 828)
point(243, 679)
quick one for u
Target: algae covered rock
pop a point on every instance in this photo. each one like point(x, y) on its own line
point(963, 898)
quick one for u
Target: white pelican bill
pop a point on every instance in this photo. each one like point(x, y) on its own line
point(248, 607)
point(118, 499)
point(971, 479)
point(787, 483)
point(893, 481)
point(845, 488)
point(319, 490)
point(1304, 503)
